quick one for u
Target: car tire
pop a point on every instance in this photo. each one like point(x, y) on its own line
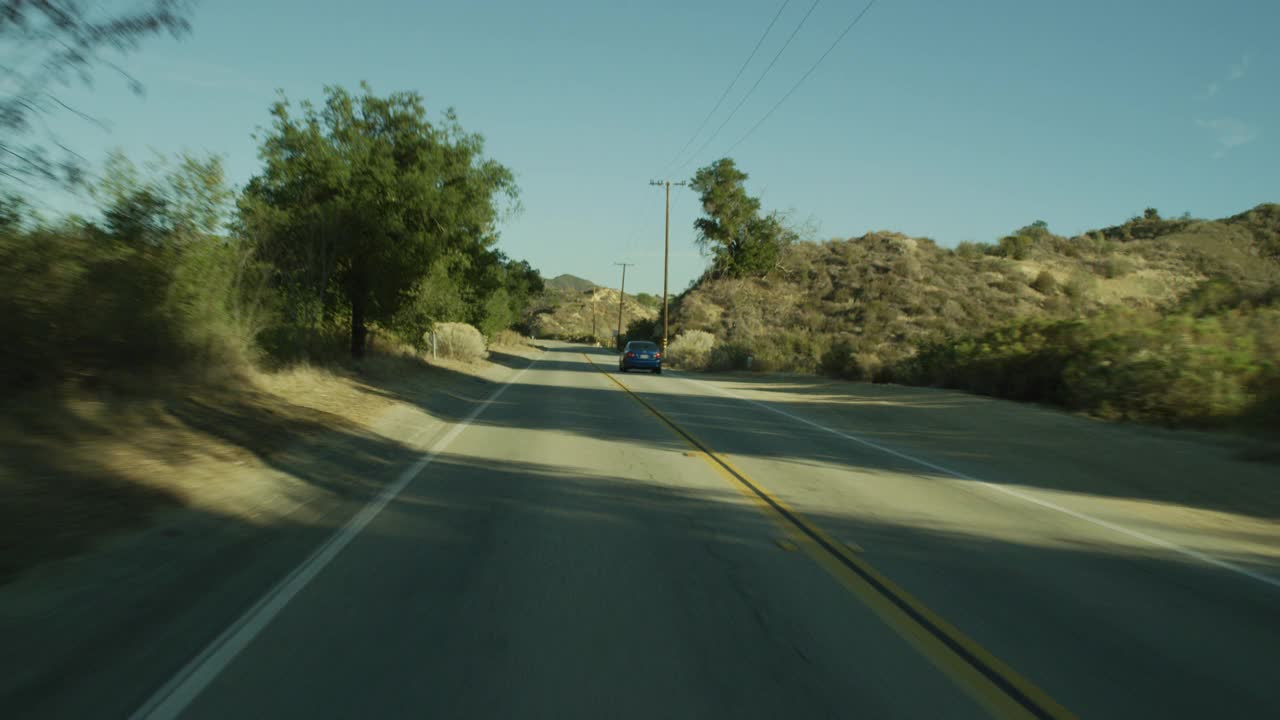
point(657, 371)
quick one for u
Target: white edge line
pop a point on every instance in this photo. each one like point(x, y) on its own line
point(1150, 539)
point(183, 688)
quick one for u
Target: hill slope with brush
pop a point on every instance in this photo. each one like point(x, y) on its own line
point(1110, 319)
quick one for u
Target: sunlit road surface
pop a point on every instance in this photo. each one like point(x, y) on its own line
point(592, 544)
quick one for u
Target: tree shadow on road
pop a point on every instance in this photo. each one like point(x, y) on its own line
point(1036, 605)
point(992, 440)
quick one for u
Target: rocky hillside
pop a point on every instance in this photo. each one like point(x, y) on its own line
point(589, 316)
point(887, 293)
point(1173, 321)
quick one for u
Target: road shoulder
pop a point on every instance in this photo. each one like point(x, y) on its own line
point(142, 601)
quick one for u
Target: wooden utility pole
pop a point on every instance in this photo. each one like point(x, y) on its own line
point(622, 295)
point(666, 253)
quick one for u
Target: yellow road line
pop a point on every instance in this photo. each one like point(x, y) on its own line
point(995, 685)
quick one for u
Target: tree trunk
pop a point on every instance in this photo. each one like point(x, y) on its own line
point(358, 331)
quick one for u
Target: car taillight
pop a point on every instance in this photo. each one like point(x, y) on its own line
point(657, 355)
point(631, 354)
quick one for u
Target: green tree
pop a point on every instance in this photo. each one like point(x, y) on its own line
point(648, 300)
point(739, 240)
point(1016, 247)
point(1036, 231)
point(359, 198)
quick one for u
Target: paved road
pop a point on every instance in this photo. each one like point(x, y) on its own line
point(596, 545)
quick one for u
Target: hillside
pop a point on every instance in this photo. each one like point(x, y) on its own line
point(867, 307)
point(569, 283)
point(588, 316)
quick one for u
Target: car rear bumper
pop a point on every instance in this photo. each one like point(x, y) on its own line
point(641, 364)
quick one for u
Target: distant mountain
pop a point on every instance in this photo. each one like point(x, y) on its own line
point(571, 283)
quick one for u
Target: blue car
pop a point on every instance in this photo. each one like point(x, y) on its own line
point(640, 355)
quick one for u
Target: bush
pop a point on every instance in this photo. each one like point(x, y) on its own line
point(845, 360)
point(730, 356)
point(1114, 267)
point(642, 329)
point(1016, 247)
point(141, 293)
point(691, 350)
point(1080, 287)
point(1045, 283)
point(459, 341)
point(1175, 369)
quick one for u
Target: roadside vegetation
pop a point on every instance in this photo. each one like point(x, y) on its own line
point(171, 341)
point(179, 274)
point(1175, 321)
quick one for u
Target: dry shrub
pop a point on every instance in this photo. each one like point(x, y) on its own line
point(1045, 283)
point(459, 341)
point(691, 349)
point(509, 338)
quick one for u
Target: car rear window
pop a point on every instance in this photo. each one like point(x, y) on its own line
point(644, 346)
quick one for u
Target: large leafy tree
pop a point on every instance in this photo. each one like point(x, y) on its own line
point(361, 196)
point(49, 45)
point(740, 241)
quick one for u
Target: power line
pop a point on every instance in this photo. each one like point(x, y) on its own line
point(802, 78)
point(725, 94)
point(738, 107)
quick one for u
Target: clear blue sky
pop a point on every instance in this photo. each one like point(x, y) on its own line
point(958, 121)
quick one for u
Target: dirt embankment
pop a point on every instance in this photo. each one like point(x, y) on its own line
point(88, 464)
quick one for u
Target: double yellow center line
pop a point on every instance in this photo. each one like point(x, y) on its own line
point(993, 684)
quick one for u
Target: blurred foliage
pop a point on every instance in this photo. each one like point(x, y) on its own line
point(1173, 368)
point(51, 45)
point(1045, 283)
point(153, 285)
point(649, 300)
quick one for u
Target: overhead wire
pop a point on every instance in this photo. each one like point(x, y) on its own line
point(804, 77)
point(741, 69)
point(741, 102)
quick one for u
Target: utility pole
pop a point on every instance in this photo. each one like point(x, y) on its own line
point(622, 295)
point(666, 253)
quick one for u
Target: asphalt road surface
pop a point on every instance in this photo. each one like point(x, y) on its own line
point(590, 544)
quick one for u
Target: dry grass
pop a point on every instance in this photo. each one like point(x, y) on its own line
point(87, 462)
point(591, 314)
point(510, 339)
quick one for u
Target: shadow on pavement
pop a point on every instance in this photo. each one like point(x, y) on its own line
point(1102, 649)
point(1180, 636)
point(996, 441)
